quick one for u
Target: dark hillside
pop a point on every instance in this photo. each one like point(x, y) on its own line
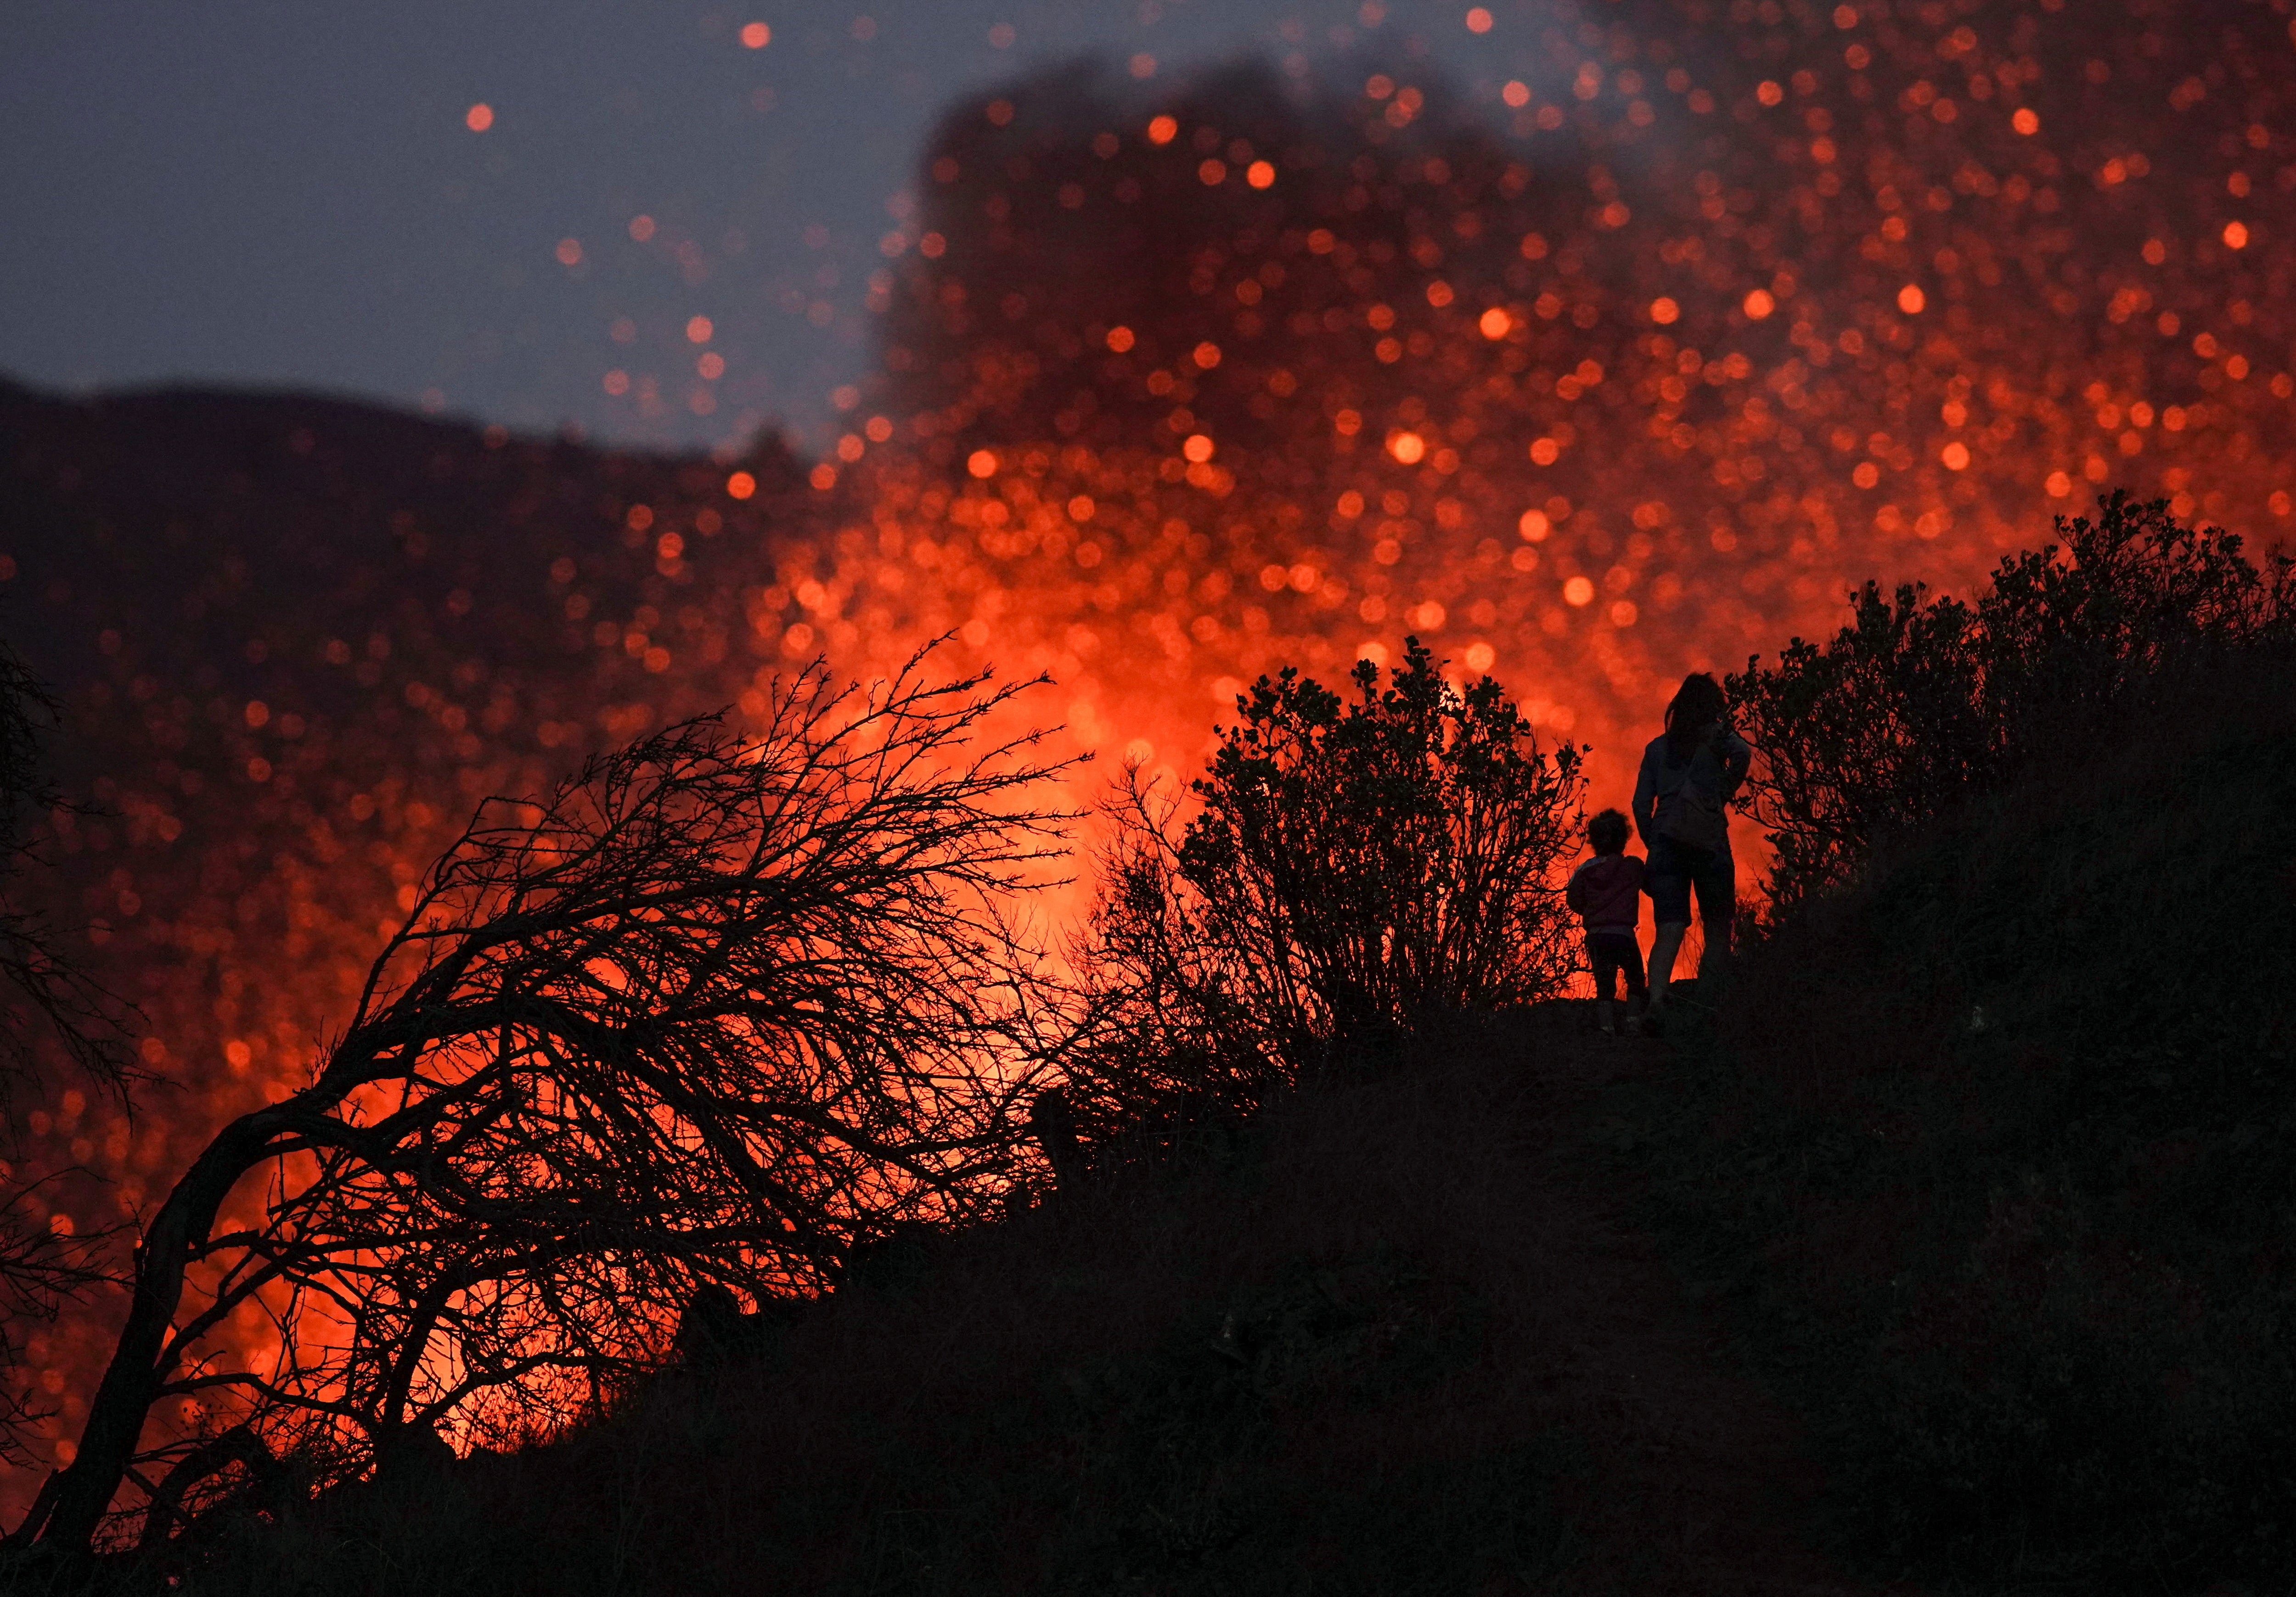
point(1397, 1341)
point(1998, 1146)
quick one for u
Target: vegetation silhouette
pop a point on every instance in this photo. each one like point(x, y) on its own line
point(1357, 871)
point(1982, 1155)
point(1922, 703)
point(714, 1010)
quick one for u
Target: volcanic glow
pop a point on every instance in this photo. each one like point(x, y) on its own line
point(1183, 386)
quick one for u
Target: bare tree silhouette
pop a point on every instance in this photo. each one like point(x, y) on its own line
point(711, 1011)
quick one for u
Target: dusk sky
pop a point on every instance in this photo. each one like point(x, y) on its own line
point(266, 194)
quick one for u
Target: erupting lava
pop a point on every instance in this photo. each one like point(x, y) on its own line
point(1713, 311)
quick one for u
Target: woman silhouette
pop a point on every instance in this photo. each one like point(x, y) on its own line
point(1681, 809)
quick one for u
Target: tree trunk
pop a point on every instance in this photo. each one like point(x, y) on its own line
point(131, 1384)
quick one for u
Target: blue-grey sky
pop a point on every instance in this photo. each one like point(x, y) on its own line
point(269, 192)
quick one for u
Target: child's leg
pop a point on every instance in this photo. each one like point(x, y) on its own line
point(1604, 960)
point(1630, 965)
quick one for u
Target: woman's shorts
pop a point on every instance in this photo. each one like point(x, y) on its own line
point(1676, 867)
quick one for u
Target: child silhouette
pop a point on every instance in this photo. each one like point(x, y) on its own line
point(1606, 893)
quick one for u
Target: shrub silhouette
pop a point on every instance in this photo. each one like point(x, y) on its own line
point(1356, 869)
point(1918, 701)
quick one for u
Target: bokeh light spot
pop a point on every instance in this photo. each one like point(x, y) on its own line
point(1579, 591)
point(1665, 312)
point(478, 118)
point(1495, 323)
point(1911, 300)
point(1198, 448)
point(981, 464)
point(741, 484)
point(756, 35)
point(1956, 457)
point(1757, 304)
point(1260, 173)
point(1408, 448)
point(1120, 338)
point(1163, 130)
point(1479, 20)
point(2026, 120)
point(698, 330)
point(2236, 235)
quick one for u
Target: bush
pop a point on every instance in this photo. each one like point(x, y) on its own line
point(1355, 871)
point(1918, 701)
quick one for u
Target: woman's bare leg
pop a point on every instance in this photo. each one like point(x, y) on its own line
point(1718, 946)
point(1664, 948)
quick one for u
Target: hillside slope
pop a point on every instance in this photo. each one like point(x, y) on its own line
point(1402, 1339)
point(1997, 1150)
